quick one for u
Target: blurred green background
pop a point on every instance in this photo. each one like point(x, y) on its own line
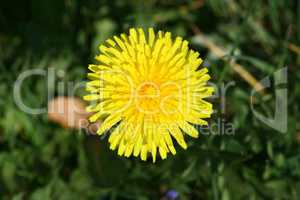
point(41, 160)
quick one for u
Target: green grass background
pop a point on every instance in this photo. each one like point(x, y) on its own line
point(41, 160)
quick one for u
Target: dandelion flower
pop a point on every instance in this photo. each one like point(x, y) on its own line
point(149, 90)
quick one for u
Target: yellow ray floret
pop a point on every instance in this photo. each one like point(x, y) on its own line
point(149, 90)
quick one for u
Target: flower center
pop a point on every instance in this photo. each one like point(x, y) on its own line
point(148, 90)
point(148, 98)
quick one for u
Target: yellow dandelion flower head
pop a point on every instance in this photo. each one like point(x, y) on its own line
point(149, 90)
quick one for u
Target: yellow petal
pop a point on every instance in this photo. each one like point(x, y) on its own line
point(163, 153)
point(129, 150)
point(138, 145)
point(122, 148)
point(151, 36)
point(153, 151)
point(177, 134)
point(91, 97)
point(108, 123)
point(95, 116)
point(144, 152)
point(189, 129)
point(169, 142)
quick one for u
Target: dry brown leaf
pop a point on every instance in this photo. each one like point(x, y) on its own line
point(70, 112)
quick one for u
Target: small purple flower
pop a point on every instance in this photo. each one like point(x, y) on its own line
point(206, 63)
point(172, 195)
